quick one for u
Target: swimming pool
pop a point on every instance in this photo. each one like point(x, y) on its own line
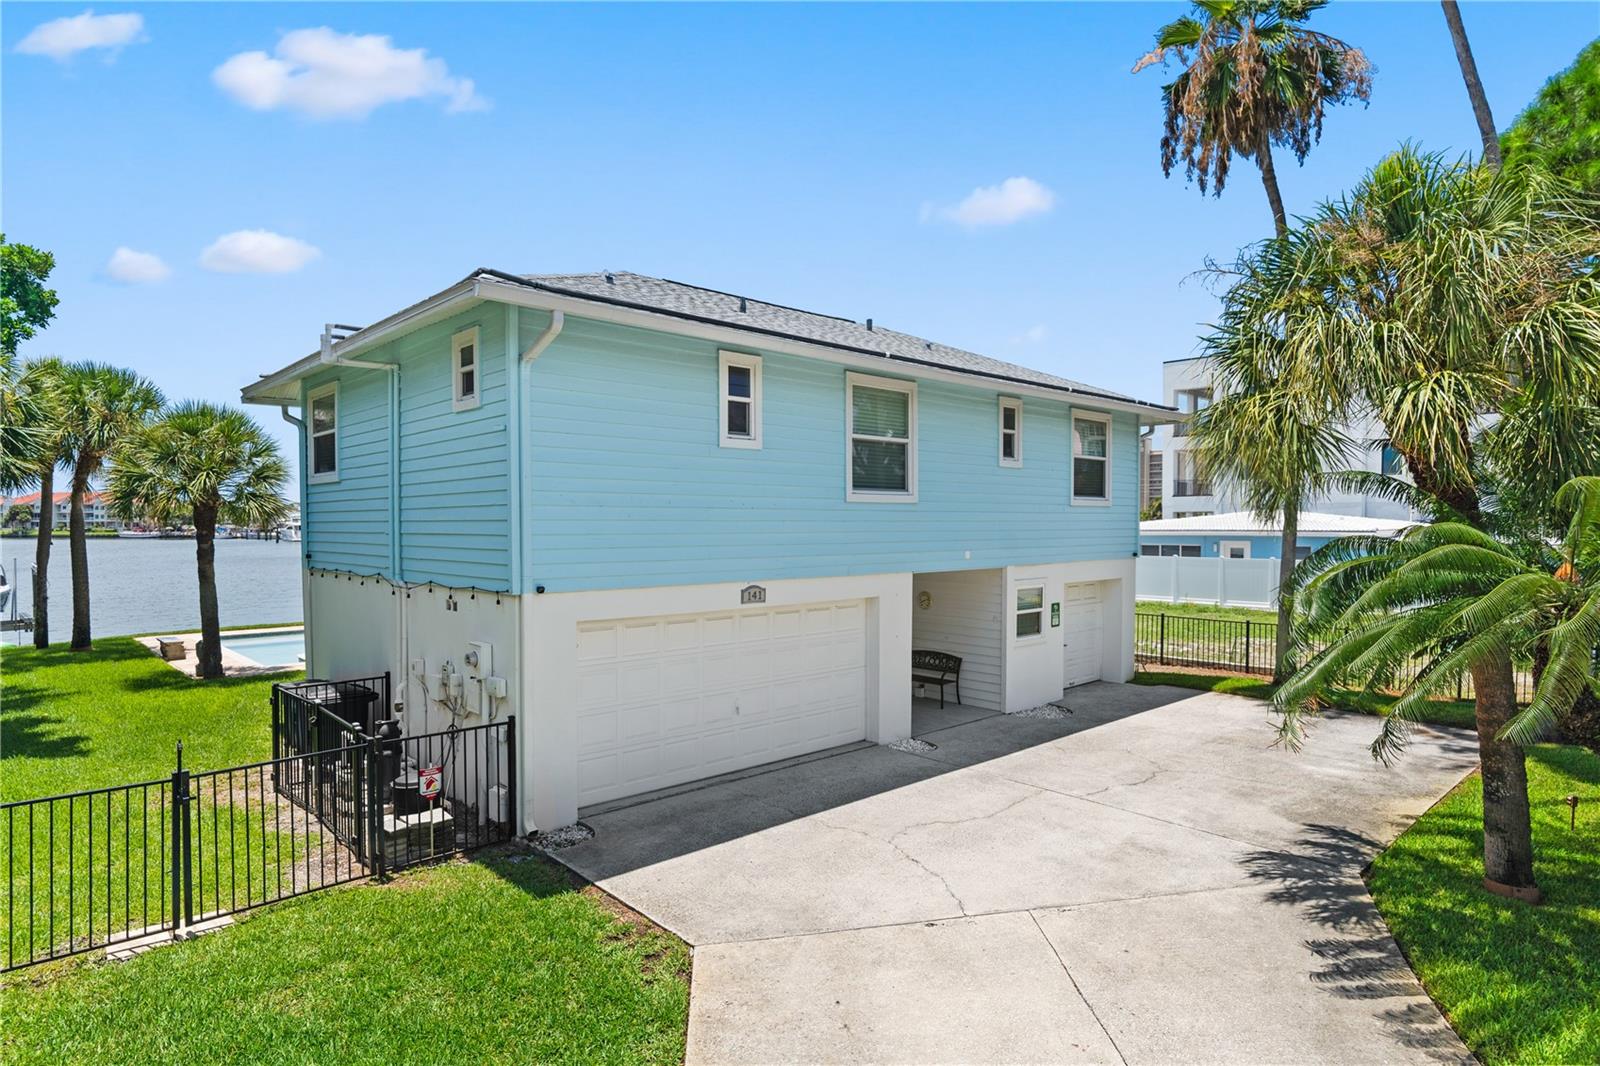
point(285, 648)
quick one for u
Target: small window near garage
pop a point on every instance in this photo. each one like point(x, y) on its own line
point(1030, 611)
point(464, 361)
point(1301, 553)
point(1149, 549)
point(1235, 549)
point(1010, 431)
point(1187, 551)
point(881, 424)
point(323, 429)
point(1091, 459)
point(739, 397)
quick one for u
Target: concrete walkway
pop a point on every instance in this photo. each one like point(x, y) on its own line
point(1147, 881)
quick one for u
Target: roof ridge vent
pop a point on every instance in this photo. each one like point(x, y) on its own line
point(869, 324)
point(743, 306)
point(611, 279)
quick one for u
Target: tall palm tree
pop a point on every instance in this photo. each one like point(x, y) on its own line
point(1267, 437)
point(1460, 600)
point(203, 464)
point(101, 405)
point(1253, 76)
point(1469, 74)
point(31, 447)
point(1433, 296)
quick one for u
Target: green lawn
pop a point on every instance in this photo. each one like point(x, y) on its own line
point(1205, 610)
point(1520, 983)
point(493, 961)
point(80, 720)
point(1440, 712)
point(503, 960)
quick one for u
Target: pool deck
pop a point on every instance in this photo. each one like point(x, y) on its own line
point(233, 664)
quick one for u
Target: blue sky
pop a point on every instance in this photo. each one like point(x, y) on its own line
point(810, 155)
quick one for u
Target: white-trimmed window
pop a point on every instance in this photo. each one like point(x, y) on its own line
point(739, 398)
point(1010, 431)
point(1030, 612)
point(466, 369)
point(881, 430)
point(1234, 549)
point(1091, 458)
point(322, 430)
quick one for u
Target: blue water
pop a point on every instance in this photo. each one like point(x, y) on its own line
point(149, 586)
point(269, 649)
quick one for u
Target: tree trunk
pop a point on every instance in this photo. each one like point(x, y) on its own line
point(1469, 74)
point(1269, 179)
point(76, 533)
point(1286, 559)
point(41, 556)
point(205, 558)
point(1507, 830)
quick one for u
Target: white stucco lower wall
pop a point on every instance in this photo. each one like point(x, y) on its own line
point(1033, 666)
point(550, 688)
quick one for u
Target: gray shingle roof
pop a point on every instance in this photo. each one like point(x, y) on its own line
point(692, 301)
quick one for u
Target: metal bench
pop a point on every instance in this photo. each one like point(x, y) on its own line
point(937, 668)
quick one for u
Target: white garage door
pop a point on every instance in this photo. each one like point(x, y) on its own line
point(669, 699)
point(1080, 631)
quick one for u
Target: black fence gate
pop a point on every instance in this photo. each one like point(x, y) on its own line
point(342, 799)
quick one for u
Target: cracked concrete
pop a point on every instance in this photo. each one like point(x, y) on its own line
point(1146, 881)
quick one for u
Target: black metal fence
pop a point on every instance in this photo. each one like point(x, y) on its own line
point(107, 867)
point(1250, 647)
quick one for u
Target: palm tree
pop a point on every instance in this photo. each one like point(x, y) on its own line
point(1469, 74)
point(100, 405)
point(1458, 599)
point(203, 464)
point(1436, 295)
point(1253, 76)
point(1266, 436)
point(31, 447)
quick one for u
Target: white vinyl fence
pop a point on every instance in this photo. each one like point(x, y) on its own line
point(1229, 582)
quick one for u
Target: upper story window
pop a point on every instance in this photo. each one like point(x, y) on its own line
point(1010, 431)
point(1091, 458)
point(881, 428)
point(1394, 464)
point(464, 364)
point(739, 389)
point(1189, 402)
point(323, 429)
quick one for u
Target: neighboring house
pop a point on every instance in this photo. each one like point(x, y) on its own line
point(96, 509)
point(1241, 535)
point(680, 532)
point(1186, 490)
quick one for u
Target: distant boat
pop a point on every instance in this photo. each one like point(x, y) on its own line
point(289, 532)
point(139, 534)
point(5, 589)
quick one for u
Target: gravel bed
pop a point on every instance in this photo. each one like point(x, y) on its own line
point(565, 837)
point(913, 745)
point(1051, 711)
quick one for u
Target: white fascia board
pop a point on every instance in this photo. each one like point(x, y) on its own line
point(283, 386)
point(539, 299)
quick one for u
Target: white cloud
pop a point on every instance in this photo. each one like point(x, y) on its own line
point(257, 251)
point(136, 268)
point(325, 74)
point(63, 38)
point(995, 205)
point(1031, 335)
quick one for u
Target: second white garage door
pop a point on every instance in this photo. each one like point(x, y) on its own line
point(670, 699)
point(1080, 633)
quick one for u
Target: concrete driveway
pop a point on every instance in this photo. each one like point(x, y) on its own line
point(1147, 881)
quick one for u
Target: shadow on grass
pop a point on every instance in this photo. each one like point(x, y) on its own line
point(32, 736)
point(1320, 876)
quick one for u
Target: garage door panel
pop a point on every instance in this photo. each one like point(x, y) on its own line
point(668, 700)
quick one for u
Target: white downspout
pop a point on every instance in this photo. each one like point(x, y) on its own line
point(305, 574)
point(558, 319)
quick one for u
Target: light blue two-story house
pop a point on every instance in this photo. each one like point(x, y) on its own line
point(680, 532)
